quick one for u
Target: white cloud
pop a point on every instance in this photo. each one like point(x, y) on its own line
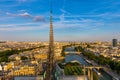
point(64, 11)
point(25, 15)
point(89, 16)
point(10, 14)
point(22, 10)
point(22, 27)
point(82, 24)
point(75, 21)
point(62, 17)
point(39, 18)
point(24, 1)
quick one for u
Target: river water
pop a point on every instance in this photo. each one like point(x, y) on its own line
point(71, 57)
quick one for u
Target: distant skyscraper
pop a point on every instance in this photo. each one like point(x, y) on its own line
point(114, 42)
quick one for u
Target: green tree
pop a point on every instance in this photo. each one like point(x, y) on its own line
point(24, 58)
point(112, 65)
point(117, 68)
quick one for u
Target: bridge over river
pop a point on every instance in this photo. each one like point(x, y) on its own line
point(72, 57)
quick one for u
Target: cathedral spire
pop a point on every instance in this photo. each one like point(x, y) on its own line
point(50, 56)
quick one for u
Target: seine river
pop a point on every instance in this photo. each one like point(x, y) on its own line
point(72, 56)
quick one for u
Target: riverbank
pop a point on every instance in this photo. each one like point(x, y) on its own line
point(106, 69)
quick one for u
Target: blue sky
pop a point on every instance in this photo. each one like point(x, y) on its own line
point(73, 20)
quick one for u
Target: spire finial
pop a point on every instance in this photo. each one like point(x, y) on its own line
point(51, 7)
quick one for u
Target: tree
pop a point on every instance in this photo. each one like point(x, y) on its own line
point(24, 58)
point(4, 59)
point(112, 65)
point(117, 68)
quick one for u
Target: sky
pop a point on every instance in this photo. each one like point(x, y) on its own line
point(73, 20)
